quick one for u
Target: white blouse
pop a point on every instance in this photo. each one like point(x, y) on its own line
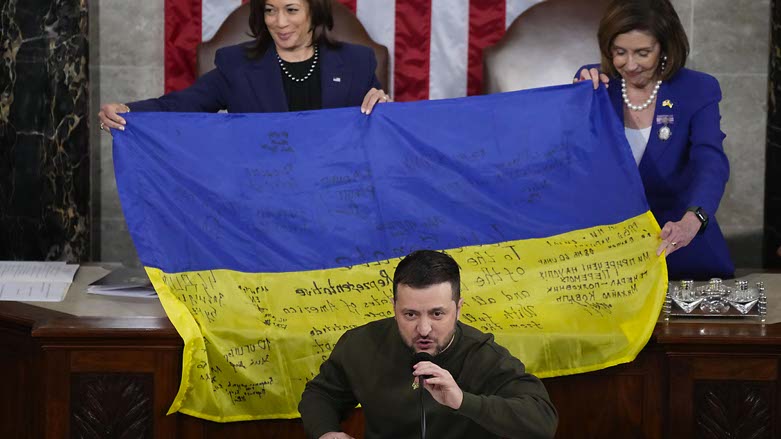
point(638, 140)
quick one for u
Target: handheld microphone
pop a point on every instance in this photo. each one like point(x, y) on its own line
point(422, 356)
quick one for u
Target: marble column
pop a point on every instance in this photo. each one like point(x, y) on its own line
point(44, 149)
point(772, 235)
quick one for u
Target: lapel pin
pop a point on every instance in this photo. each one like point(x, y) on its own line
point(337, 79)
point(667, 103)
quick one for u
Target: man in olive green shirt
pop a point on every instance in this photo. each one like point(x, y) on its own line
point(474, 387)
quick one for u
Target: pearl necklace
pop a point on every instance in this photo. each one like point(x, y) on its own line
point(646, 103)
point(293, 78)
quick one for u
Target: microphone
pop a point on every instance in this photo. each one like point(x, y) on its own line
point(422, 356)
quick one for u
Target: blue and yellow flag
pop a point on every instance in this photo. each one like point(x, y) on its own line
point(269, 235)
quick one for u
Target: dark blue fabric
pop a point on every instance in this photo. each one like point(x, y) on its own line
point(687, 170)
point(242, 85)
point(332, 188)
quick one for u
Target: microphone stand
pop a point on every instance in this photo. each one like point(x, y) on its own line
point(422, 356)
point(422, 408)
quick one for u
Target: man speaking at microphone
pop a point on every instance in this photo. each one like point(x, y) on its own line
point(474, 387)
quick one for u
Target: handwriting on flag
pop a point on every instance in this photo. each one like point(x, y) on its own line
point(563, 290)
point(268, 236)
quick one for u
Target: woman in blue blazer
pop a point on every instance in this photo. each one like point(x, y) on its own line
point(672, 122)
point(291, 65)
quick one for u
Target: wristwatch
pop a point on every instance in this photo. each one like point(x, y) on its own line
point(701, 215)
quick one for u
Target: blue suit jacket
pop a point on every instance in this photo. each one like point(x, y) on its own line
point(242, 85)
point(689, 169)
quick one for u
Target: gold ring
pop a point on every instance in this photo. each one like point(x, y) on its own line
point(674, 244)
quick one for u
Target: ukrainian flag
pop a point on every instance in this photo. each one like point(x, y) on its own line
point(268, 235)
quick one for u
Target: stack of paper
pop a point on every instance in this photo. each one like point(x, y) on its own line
point(26, 281)
point(124, 282)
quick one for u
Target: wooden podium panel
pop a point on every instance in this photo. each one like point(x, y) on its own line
point(618, 402)
point(66, 376)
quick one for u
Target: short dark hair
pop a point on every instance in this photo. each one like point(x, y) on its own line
point(320, 16)
point(424, 268)
point(658, 17)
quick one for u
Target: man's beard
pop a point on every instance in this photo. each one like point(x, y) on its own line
point(438, 348)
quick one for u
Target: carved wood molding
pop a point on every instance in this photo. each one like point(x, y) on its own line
point(733, 409)
point(111, 405)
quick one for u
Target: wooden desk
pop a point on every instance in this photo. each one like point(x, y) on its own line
point(70, 371)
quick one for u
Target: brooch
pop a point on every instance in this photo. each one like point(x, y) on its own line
point(667, 103)
point(665, 132)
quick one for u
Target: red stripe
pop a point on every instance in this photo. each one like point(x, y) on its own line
point(182, 36)
point(486, 27)
point(351, 4)
point(412, 49)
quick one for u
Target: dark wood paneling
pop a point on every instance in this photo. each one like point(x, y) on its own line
point(694, 379)
point(56, 391)
point(599, 402)
point(18, 361)
point(167, 377)
point(739, 409)
point(714, 395)
point(113, 361)
point(111, 406)
point(190, 427)
point(734, 368)
point(21, 370)
point(272, 429)
point(623, 401)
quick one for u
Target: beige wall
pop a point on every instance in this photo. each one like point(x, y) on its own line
point(126, 64)
point(729, 39)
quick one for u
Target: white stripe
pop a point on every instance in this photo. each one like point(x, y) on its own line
point(449, 35)
point(379, 19)
point(516, 8)
point(213, 13)
point(449, 48)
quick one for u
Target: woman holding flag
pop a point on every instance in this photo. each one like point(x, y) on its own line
point(671, 119)
point(292, 65)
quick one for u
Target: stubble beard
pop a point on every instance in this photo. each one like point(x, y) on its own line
point(438, 348)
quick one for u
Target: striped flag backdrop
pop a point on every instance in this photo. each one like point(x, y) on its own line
point(264, 253)
point(436, 46)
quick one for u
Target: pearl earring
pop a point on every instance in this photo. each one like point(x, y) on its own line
point(664, 62)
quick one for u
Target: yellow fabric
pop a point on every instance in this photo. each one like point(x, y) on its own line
point(576, 302)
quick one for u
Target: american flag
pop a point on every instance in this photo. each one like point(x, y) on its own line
point(436, 46)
